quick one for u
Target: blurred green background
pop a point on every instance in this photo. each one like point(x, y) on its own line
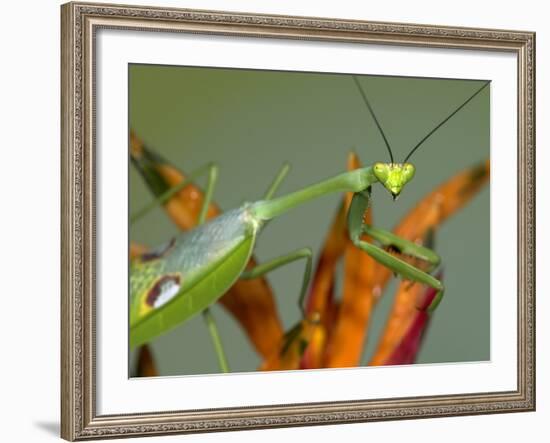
point(250, 122)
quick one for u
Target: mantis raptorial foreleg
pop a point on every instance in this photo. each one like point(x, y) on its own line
point(357, 227)
point(403, 246)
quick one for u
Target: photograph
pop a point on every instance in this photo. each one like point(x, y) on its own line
point(289, 220)
point(282, 220)
point(272, 221)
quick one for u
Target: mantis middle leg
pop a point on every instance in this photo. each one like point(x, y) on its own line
point(304, 253)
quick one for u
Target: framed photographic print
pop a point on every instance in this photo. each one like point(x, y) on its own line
point(281, 221)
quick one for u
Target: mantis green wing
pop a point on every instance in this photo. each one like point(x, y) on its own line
point(188, 274)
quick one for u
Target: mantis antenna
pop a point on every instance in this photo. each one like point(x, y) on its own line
point(444, 121)
point(366, 100)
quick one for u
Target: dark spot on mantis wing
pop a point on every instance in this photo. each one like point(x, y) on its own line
point(164, 289)
point(159, 252)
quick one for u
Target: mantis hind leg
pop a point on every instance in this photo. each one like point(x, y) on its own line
point(357, 227)
point(304, 253)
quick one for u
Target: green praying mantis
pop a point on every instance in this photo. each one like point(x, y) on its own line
point(186, 275)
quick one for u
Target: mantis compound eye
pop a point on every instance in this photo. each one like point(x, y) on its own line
point(381, 171)
point(408, 172)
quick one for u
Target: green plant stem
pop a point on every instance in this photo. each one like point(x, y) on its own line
point(169, 193)
point(207, 315)
point(277, 182)
point(216, 340)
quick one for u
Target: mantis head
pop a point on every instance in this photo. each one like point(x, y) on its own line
point(394, 176)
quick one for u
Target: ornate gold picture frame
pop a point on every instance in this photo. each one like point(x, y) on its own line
point(81, 22)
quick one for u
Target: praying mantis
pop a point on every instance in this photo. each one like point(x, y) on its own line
point(186, 275)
